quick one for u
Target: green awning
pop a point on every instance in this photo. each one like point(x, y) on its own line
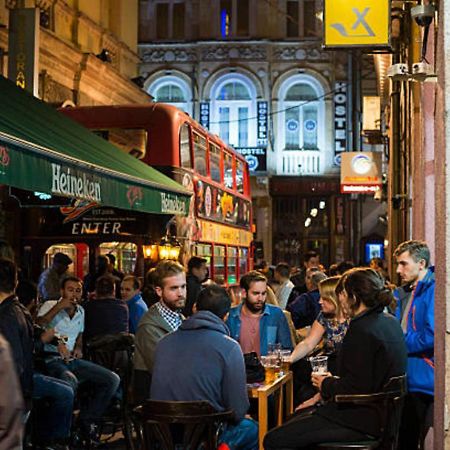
point(42, 150)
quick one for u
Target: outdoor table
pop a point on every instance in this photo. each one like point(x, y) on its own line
point(262, 392)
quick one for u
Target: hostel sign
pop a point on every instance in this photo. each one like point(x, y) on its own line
point(356, 23)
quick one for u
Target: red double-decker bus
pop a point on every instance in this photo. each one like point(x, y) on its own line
point(219, 224)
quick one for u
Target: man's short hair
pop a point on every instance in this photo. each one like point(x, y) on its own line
point(417, 249)
point(26, 292)
point(343, 266)
point(70, 278)
point(165, 269)
point(134, 280)
point(317, 277)
point(111, 257)
point(310, 254)
point(62, 259)
point(195, 263)
point(283, 269)
point(8, 276)
point(215, 299)
point(251, 277)
point(105, 286)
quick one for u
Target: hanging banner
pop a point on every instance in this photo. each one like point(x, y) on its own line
point(204, 114)
point(357, 23)
point(340, 120)
point(23, 48)
point(262, 124)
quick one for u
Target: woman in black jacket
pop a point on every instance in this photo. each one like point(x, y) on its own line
point(372, 352)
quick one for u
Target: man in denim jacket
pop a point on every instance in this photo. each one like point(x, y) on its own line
point(415, 311)
point(254, 324)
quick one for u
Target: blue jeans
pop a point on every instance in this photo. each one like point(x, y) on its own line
point(54, 421)
point(104, 384)
point(241, 436)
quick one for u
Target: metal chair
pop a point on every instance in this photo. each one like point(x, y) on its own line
point(115, 352)
point(389, 404)
point(169, 425)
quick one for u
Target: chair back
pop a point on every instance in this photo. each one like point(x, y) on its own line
point(189, 424)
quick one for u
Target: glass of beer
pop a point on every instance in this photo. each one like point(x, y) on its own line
point(319, 364)
point(285, 361)
point(271, 368)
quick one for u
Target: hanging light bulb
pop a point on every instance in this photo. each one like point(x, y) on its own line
point(307, 222)
point(314, 212)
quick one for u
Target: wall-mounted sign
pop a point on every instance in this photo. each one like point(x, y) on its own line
point(204, 114)
point(340, 120)
point(23, 48)
point(361, 23)
point(256, 158)
point(262, 124)
point(361, 172)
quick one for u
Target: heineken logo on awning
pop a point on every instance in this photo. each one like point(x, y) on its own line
point(66, 181)
point(171, 204)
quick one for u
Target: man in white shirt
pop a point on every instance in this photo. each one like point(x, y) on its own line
point(66, 316)
point(285, 285)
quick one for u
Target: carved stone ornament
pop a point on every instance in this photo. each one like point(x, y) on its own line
point(158, 55)
point(225, 52)
point(292, 53)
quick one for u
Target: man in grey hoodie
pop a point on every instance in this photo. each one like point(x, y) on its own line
point(213, 367)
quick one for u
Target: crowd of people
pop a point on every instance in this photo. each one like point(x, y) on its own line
point(191, 336)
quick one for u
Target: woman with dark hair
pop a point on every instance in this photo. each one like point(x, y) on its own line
point(372, 352)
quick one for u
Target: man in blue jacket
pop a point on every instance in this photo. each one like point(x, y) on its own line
point(254, 324)
point(415, 311)
point(199, 361)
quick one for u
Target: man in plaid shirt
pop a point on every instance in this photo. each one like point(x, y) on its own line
point(161, 319)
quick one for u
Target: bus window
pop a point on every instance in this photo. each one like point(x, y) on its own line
point(228, 170)
point(185, 151)
point(204, 251)
point(214, 162)
point(219, 264)
point(240, 176)
point(231, 273)
point(132, 141)
point(200, 154)
point(243, 267)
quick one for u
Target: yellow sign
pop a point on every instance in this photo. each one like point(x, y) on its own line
point(356, 23)
point(223, 234)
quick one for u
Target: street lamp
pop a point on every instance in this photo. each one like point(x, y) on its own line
point(169, 248)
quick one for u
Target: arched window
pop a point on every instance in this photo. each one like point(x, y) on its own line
point(233, 111)
point(302, 118)
point(172, 90)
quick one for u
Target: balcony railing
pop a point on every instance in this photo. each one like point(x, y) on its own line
point(299, 162)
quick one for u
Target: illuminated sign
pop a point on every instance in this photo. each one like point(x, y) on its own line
point(222, 234)
point(356, 23)
point(361, 172)
point(340, 120)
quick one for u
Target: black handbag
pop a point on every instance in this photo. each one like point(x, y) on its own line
point(253, 368)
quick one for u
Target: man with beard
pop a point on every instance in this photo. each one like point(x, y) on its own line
point(162, 318)
point(253, 323)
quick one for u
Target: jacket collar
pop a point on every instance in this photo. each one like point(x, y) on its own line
point(236, 311)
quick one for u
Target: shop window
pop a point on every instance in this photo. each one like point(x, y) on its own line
point(124, 252)
point(243, 261)
point(214, 162)
point(200, 154)
point(185, 150)
point(228, 170)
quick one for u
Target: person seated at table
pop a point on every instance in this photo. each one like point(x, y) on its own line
point(255, 324)
point(330, 325)
point(199, 361)
point(373, 351)
point(105, 314)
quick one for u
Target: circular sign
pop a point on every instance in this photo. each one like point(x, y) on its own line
point(361, 164)
point(292, 125)
point(310, 125)
point(252, 162)
point(337, 160)
point(208, 201)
